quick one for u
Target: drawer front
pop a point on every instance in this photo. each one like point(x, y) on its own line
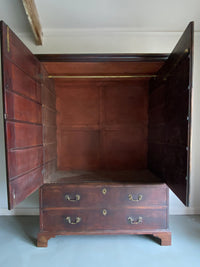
point(82, 220)
point(103, 195)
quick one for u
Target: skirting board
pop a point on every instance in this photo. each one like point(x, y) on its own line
point(35, 211)
point(20, 211)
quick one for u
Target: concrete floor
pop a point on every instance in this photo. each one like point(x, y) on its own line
point(18, 247)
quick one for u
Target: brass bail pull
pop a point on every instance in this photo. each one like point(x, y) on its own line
point(132, 197)
point(69, 198)
point(132, 220)
point(69, 220)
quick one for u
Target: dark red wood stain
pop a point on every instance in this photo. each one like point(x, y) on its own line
point(19, 54)
point(102, 68)
point(93, 219)
point(16, 131)
point(91, 195)
point(18, 81)
point(49, 124)
point(49, 134)
point(23, 160)
point(78, 150)
point(25, 185)
point(125, 149)
point(170, 118)
point(23, 111)
point(101, 124)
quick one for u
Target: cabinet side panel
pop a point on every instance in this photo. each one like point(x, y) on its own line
point(49, 125)
point(3, 174)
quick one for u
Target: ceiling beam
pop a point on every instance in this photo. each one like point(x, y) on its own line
point(33, 17)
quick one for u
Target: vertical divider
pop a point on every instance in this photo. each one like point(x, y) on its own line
point(101, 126)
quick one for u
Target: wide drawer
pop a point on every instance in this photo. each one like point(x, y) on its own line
point(70, 195)
point(86, 220)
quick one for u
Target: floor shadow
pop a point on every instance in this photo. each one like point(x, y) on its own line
point(29, 228)
point(153, 239)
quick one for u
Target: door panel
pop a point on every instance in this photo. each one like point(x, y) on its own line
point(24, 160)
point(24, 185)
point(23, 84)
point(23, 117)
point(170, 118)
point(19, 108)
point(15, 51)
point(16, 132)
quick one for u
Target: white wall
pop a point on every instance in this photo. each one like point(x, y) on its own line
point(119, 42)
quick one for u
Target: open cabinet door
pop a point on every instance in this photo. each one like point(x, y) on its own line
point(170, 118)
point(23, 117)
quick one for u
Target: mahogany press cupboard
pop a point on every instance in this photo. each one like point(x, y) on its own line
point(102, 136)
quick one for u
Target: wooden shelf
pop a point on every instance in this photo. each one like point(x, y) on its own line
point(125, 176)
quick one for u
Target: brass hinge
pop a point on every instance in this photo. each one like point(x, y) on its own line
point(13, 194)
point(101, 76)
point(5, 116)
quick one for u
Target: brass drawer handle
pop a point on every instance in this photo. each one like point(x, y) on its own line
point(131, 197)
point(132, 220)
point(77, 220)
point(77, 198)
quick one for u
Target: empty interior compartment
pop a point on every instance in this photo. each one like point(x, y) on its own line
point(96, 128)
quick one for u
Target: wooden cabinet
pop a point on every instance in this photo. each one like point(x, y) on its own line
point(101, 136)
point(104, 208)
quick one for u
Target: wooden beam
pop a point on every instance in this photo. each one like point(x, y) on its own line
point(33, 17)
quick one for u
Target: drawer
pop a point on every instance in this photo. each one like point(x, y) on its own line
point(86, 220)
point(70, 195)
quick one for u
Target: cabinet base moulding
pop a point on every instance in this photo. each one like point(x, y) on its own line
point(163, 236)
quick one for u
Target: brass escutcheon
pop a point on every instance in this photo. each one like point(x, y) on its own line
point(104, 212)
point(104, 191)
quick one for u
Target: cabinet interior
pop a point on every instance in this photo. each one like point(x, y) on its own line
point(97, 129)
